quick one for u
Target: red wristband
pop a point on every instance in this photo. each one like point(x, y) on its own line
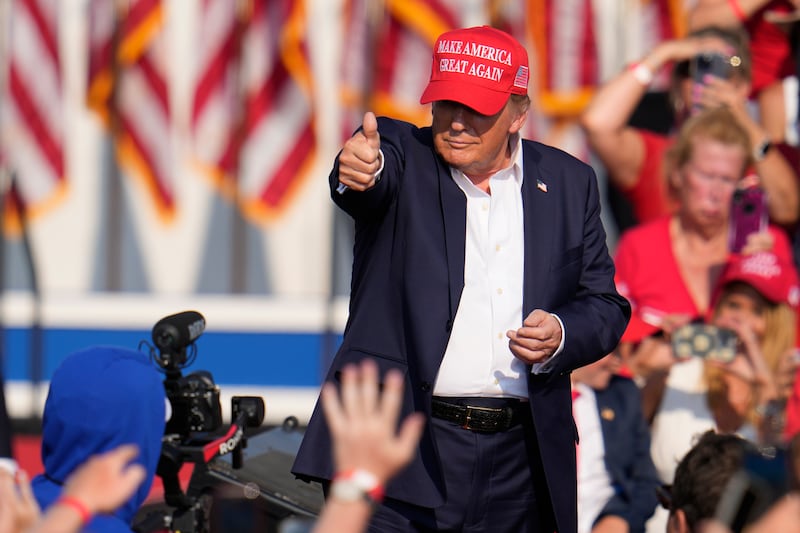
point(737, 10)
point(78, 506)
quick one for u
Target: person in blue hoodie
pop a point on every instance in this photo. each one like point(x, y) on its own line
point(100, 398)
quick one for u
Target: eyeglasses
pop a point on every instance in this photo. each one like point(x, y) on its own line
point(729, 182)
point(664, 493)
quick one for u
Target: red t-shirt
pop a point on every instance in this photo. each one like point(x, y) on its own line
point(649, 196)
point(647, 274)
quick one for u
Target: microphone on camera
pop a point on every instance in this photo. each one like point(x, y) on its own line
point(174, 333)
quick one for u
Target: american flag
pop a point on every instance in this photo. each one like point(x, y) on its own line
point(580, 44)
point(127, 88)
point(566, 55)
point(253, 115)
point(31, 112)
point(387, 56)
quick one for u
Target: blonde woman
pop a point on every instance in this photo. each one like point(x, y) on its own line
point(755, 300)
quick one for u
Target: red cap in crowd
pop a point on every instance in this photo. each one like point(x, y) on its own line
point(771, 276)
point(478, 67)
point(638, 330)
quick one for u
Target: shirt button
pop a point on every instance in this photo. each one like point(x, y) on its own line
point(500, 291)
point(497, 248)
point(485, 206)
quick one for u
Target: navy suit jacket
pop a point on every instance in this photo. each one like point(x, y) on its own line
point(626, 437)
point(408, 274)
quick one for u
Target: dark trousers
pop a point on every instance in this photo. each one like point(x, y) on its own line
point(494, 483)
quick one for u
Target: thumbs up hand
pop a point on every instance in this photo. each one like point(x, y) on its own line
point(360, 158)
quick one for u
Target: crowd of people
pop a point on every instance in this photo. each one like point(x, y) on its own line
point(502, 369)
point(712, 341)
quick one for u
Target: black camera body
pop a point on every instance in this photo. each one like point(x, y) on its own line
point(195, 404)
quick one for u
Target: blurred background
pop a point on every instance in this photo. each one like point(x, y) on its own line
point(164, 155)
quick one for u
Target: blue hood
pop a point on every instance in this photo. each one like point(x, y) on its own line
point(99, 398)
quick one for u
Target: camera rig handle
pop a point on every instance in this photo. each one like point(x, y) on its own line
point(247, 411)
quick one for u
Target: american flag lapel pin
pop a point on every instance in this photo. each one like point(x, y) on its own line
point(542, 186)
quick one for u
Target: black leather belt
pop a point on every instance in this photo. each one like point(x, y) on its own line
point(476, 417)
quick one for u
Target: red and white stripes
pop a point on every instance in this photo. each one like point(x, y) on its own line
point(128, 88)
point(253, 113)
point(32, 109)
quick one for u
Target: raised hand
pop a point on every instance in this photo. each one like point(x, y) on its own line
point(360, 158)
point(106, 480)
point(18, 507)
point(363, 422)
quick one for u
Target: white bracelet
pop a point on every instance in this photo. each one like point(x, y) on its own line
point(9, 465)
point(642, 73)
point(355, 485)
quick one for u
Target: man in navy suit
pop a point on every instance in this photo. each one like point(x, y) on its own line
point(617, 481)
point(481, 273)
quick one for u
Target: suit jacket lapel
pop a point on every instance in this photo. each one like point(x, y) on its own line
point(453, 206)
point(538, 215)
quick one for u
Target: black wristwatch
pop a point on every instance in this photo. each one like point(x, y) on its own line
point(761, 149)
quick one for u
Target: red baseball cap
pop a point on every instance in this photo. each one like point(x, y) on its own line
point(479, 67)
point(773, 277)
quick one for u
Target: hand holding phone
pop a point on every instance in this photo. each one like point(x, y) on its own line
point(709, 63)
point(697, 339)
point(712, 63)
point(748, 215)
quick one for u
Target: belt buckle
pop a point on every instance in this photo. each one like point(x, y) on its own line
point(468, 414)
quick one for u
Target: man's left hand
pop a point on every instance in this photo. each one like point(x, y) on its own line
point(537, 339)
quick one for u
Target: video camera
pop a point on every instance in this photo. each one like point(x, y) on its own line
point(767, 474)
point(194, 398)
point(192, 431)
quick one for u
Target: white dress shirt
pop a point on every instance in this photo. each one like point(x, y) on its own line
point(478, 360)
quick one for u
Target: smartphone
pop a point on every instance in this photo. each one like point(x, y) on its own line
point(704, 340)
point(765, 476)
point(713, 63)
point(748, 215)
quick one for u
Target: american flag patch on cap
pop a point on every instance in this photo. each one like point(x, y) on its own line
point(521, 79)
